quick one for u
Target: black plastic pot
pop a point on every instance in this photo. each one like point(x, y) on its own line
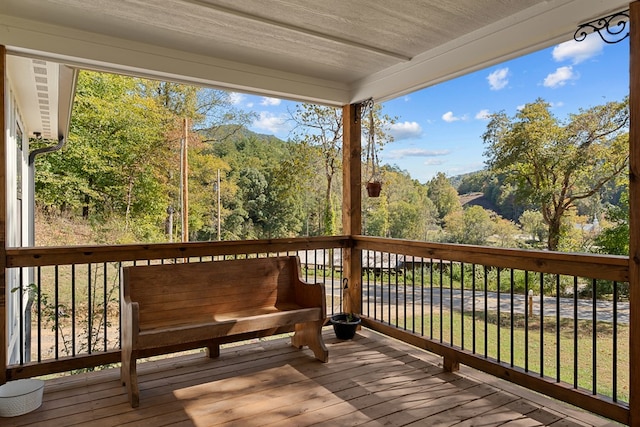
point(344, 327)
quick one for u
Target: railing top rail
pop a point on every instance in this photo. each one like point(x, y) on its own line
point(606, 267)
point(60, 255)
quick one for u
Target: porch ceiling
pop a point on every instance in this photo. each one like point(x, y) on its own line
point(332, 52)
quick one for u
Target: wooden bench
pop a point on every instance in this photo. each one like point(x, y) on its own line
point(165, 306)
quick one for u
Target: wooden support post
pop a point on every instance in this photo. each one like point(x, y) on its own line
point(3, 219)
point(450, 365)
point(634, 215)
point(352, 203)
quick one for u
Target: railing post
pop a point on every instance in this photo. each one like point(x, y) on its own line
point(3, 220)
point(352, 203)
point(634, 215)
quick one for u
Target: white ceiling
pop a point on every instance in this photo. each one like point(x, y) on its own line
point(332, 52)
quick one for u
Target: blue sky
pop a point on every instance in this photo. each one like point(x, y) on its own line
point(439, 129)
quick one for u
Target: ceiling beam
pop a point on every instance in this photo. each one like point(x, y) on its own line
point(300, 30)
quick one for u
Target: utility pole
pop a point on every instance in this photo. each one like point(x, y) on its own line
point(218, 205)
point(185, 181)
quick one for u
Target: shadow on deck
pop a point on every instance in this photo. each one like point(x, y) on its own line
point(372, 380)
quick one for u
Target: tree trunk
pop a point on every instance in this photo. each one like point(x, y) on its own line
point(554, 233)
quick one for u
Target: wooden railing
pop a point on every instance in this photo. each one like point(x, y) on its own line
point(539, 319)
point(75, 301)
point(423, 294)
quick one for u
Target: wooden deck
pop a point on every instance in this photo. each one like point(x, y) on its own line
point(372, 380)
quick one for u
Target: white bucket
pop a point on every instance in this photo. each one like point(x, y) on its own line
point(20, 396)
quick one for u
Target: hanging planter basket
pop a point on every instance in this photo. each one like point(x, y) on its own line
point(374, 185)
point(373, 188)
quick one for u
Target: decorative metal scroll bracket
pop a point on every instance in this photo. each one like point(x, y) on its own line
point(365, 106)
point(611, 29)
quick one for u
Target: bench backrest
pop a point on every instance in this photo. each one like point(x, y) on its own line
point(176, 293)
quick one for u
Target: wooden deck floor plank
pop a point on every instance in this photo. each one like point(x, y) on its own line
point(494, 418)
point(385, 402)
point(471, 410)
point(412, 409)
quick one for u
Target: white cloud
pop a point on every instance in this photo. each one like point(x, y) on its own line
point(270, 101)
point(416, 152)
point(578, 52)
point(560, 77)
point(450, 118)
point(236, 98)
point(498, 79)
point(271, 122)
point(483, 114)
point(434, 162)
point(520, 107)
point(405, 130)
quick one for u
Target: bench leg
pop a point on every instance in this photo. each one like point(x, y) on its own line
point(129, 376)
point(310, 334)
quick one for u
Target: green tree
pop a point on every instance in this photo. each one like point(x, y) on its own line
point(552, 164)
point(377, 221)
point(443, 195)
point(471, 225)
point(533, 223)
point(321, 127)
point(614, 239)
point(113, 161)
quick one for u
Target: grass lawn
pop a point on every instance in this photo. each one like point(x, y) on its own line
point(569, 345)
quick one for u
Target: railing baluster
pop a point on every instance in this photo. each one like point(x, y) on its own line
point(39, 314)
point(21, 320)
point(106, 307)
point(512, 321)
point(541, 325)
point(527, 314)
point(56, 312)
point(462, 305)
point(498, 346)
point(450, 302)
point(431, 298)
point(558, 323)
point(614, 349)
point(73, 309)
point(441, 299)
point(473, 307)
point(397, 290)
point(89, 307)
point(486, 312)
point(594, 330)
point(413, 294)
point(575, 332)
point(422, 296)
point(388, 283)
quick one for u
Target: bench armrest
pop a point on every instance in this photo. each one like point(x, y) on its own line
point(130, 322)
point(310, 295)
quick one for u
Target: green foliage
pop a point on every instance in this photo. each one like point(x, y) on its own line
point(614, 239)
point(472, 226)
point(443, 195)
point(551, 164)
point(120, 171)
point(533, 223)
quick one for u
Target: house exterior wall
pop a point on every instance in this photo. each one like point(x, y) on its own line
point(17, 224)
